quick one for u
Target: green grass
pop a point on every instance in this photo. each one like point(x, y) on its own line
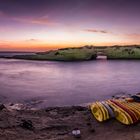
point(123, 53)
point(71, 54)
point(86, 53)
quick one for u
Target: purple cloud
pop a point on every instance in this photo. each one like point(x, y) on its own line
point(97, 31)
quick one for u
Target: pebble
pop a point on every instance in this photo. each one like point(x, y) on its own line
point(76, 133)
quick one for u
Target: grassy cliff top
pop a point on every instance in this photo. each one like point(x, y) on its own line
point(86, 53)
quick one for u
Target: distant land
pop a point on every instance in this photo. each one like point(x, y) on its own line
point(83, 53)
point(10, 54)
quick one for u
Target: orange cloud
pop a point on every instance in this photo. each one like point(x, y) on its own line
point(134, 35)
point(33, 40)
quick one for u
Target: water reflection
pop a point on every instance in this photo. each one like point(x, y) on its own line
point(61, 83)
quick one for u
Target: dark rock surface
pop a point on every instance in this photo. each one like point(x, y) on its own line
point(57, 123)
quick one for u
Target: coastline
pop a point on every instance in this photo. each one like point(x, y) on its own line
point(84, 53)
point(57, 123)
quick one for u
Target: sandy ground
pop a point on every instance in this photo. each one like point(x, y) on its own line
point(57, 123)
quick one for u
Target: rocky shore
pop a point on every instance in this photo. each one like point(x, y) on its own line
point(58, 123)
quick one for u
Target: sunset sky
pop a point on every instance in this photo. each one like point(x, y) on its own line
point(36, 25)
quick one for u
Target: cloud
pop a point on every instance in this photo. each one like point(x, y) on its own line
point(30, 20)
point(34, 20)
point(133, 35)
point(32, 40)
point(97, 31)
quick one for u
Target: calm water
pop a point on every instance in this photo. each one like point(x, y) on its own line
point(61, 83)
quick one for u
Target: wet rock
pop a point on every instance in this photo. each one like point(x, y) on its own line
point(69, 111)
point(88, 123)
point(62, 133)
point(27, 124)
point(53, 113)
point(50, 109)
point(55, 127)
point(92, 129)
point(113, 96)
point(2, 107)
point(16, 106)
point(80, 108)
point(136, 136)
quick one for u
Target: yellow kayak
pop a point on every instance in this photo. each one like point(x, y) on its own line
point(121, 115)
point(132, 108)
point(124, 111)
point(97, 112)
point(105, 111)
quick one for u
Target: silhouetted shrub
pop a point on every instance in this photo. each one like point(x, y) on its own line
point(57, 53)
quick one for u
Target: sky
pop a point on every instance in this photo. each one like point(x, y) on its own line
point(38, 25)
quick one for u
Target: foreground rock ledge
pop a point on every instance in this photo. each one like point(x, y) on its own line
point(57, 123)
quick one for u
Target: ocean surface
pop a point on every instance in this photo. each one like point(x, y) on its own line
point(45, 83)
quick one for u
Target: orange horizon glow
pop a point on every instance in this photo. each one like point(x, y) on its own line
point(35, 47)
point(44, 25)
point(54, 40)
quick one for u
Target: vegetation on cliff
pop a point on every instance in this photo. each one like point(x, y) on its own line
point(86, 53)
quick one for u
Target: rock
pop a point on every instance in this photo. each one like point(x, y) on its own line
point(88, 123)
point(53, 113)
point(27, 124)
point(62, 133)
point(56, 126)
point(136, 136)
point(2, 107)
point(92, 129)
point(16, 107)
point(138, 94)
point(80, 108)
